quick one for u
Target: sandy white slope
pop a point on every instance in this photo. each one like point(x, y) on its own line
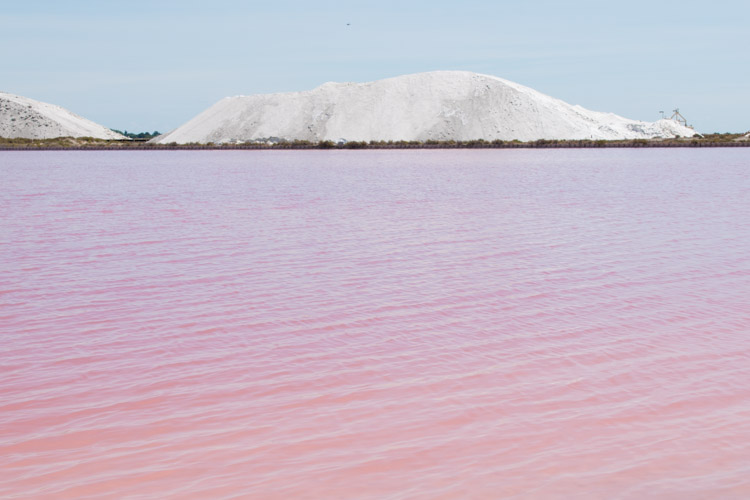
point(21, 117)
point(439, 105)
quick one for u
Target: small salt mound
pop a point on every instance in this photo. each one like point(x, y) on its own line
point(441, 105)
point(21, 117)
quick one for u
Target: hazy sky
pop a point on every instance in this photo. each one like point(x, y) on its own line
point(146, 65)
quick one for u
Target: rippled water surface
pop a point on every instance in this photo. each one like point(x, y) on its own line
point(375, 324)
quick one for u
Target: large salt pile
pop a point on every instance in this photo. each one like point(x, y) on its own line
point(21, 117)
point(440, 105)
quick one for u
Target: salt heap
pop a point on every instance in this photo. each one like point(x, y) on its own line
point(21, 117)
point(440, 105)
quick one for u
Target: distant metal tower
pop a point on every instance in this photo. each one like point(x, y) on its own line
point(676, 116)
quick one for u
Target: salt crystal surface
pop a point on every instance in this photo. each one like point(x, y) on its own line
point(21, 117)
point(440, 105)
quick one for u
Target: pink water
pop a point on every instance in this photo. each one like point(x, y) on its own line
point(377, 324)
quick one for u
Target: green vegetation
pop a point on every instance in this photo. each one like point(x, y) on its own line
point(140, 135)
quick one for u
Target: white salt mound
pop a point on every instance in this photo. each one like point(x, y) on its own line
point(440, 105)
point(21, 117)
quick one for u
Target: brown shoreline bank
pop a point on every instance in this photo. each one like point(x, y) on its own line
point(88, 144)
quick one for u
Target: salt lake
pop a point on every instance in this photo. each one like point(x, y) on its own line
point(375, 324)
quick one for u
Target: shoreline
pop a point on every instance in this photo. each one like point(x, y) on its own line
point(89, 144)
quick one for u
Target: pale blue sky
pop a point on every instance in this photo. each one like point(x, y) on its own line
point(145, 65)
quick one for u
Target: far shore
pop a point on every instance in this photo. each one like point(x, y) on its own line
point(90, 144)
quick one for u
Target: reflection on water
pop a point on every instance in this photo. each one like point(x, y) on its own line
point(375, 324)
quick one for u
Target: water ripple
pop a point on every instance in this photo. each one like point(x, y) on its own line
point(377, 324)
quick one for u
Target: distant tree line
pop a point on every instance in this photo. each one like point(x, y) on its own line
point(139, 135)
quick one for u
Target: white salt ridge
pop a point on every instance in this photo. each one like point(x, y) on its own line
point(441, 105)
point(21, 117)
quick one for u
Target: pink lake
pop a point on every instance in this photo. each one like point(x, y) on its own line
point(375, 324)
